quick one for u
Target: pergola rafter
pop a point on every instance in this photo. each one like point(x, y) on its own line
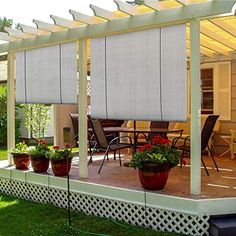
point(104, 14)
point(31, 30)
point(6, 37)
point(224, 26)
point(85, 19)
point(47, 26)
point(127, 8)
point(70, 24)
point(17, 33)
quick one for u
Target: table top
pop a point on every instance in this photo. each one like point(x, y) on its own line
point(141, 130)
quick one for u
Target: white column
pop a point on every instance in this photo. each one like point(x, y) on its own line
point(195, 171)
point(10, 105)
point(82, 103)
point(56, 126)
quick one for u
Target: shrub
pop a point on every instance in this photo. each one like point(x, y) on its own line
point(3, 118)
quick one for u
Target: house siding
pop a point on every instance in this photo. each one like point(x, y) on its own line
point(226, 126)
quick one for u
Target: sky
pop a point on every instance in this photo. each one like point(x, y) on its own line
point(24, 11)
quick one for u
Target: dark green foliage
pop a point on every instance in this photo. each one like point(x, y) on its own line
point(3, 118)
point(136, 2)
point(22, 218)
point(5, 22)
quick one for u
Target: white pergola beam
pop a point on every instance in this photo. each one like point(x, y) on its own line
point(17, 33)
point(83, 18)
point(209, 44)
point(224, 25)
point(217, 37)
point(47, 26)
point(126, 8)
point(64, 22)
point(155, 5)
point(183, 2)
point(31, 30)
point(172, 16)
point(213, 47)
point(6, 37)
point(105, 14)
point(204, 51)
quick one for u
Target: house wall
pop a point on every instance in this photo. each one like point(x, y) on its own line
point(226, 126)
point(61, 120)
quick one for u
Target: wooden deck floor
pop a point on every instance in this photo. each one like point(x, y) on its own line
point(217, 185)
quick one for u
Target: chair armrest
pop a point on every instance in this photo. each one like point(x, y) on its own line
point(118, 138)
point(175, 140)
point(141, 133)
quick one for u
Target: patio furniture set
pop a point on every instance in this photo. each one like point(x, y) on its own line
point(112, 136)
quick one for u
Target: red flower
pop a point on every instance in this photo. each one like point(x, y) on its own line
point(140, 149)
point(184, 162)
point(67, 146)
point(160, 140)
point(155, 140)
point(147, 146)
point(42, 142)
point(56, 147)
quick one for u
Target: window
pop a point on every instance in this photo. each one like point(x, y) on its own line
point(216, 89)
point(207, 91)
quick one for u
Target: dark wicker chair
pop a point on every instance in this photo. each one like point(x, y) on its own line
point(103, 143)
point(205, 136)
point(74, 121)
point(160, 125)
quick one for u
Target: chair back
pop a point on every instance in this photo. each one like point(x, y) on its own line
point(207, 130)
point(74, 120)
point(98, 132)
point(161, 125)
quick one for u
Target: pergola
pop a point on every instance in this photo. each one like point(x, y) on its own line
point(209, 33)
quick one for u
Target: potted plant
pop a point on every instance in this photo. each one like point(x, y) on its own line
point(154, 161)
point(20, 156)
point(39, 158)
point(60, 160)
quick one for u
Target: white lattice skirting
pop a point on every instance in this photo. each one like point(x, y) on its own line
point(132, 213)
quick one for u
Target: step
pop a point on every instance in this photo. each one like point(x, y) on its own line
point(224, 225)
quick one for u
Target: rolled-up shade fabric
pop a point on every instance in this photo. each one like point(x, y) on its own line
point(140, 75)
point(47, 75)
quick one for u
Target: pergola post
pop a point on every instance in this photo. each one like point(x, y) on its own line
point(10, 105)
point(195, 171)
point(82, 103)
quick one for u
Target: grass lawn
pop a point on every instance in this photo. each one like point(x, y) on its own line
point(3, 153)
point(20, 217)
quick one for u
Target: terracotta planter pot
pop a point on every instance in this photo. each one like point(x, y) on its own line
point(154, 178)
point(21, 161)
point(40, 164)
point(59, 166)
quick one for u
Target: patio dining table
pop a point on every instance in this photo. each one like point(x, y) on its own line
point(137, 131)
